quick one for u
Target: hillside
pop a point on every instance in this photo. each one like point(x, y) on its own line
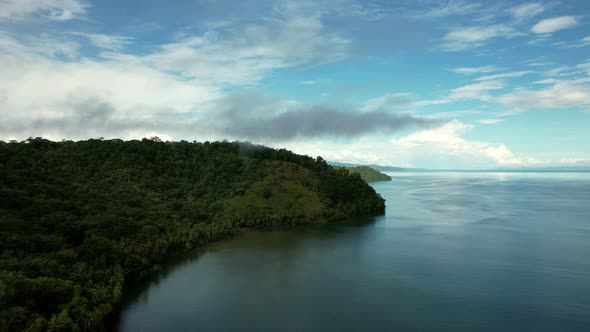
point(367, 173)
point(79, 220)
point(379, 168)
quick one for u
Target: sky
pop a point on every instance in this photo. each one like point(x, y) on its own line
point(421, 83)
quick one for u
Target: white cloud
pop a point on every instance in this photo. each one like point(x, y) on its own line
point(585, 41)
point(108, 42)
point(447, 133)
point(540, 63)
point(47, 97)
point(55, 10)
point(405, 101)
point(447, 141)
point(563, 71)
point(551, 25)
point(48, 89)
point(457, 114)
point(472, 37)
point(444, 147)
point(573, 162)
point(449, 8)
point(561, 94)
point(41, 45)
point(539, 41)
point(363, 151)
point(373, 11)
point(476, 91)
point(527, 10)
point(503, 75)
point(238, 56)
point(585, 67)
point(491, 121)
point(476, 70)
point(546, 81)
point(577, 44)
point(389, 101)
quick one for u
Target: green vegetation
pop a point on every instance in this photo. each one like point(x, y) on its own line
point(367, 173)
point(79, 220)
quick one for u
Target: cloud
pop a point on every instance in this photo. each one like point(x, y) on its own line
point(441, 147)
point(389, 101)
point(527, 10)
point(33, 46)
point(447, 140)
point(577, 44)
point(55, 10)
point(546, 81)
point(242, 55)
point(551, 25)
point(504, 75)
point(476, 70)
point(491, 121)
point(250, 116)
point(46, 82)
point(449, 8)
point(585, 67)
point(539, 62)
point(457, 114)
point(39, 86)
point(563, 71)
point(309, 82)
point(108, 42)
point(84, 118)
point(128, 96)
point(473, 37)
point(560, 94)
point(405, 101)
point(476, 91)
point(375, 10)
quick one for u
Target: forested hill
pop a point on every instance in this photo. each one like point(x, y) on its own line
point(79, 219)
point(367, 173)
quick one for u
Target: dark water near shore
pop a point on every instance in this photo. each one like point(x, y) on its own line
point(454, 252)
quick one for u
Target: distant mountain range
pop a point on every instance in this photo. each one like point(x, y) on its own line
point(375, 167)
point(546, 169)
point(382, 168)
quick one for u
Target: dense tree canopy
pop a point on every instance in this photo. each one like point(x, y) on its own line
point(80, 219)
point(367, 173)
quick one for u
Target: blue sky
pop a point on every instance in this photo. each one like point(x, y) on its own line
point(436, 84)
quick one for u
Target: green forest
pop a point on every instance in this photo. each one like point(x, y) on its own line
point(81, 220)
point(367, 173)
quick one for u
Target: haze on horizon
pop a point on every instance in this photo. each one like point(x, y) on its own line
point(430, 84)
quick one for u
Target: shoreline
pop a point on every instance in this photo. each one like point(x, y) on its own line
point(131, 293)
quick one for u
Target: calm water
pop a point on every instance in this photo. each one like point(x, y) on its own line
point(454, 252)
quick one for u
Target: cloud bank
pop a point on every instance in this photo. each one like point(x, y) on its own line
point(252, 117)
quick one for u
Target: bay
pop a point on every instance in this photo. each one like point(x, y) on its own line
point(454, 251)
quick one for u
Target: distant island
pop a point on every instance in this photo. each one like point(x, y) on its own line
point(79, 221)
point(367, 173)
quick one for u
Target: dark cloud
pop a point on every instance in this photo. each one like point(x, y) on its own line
point(241, 116)
point(89, 118)
point(253, 117)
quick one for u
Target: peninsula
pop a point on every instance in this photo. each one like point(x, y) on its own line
point(81, 220)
